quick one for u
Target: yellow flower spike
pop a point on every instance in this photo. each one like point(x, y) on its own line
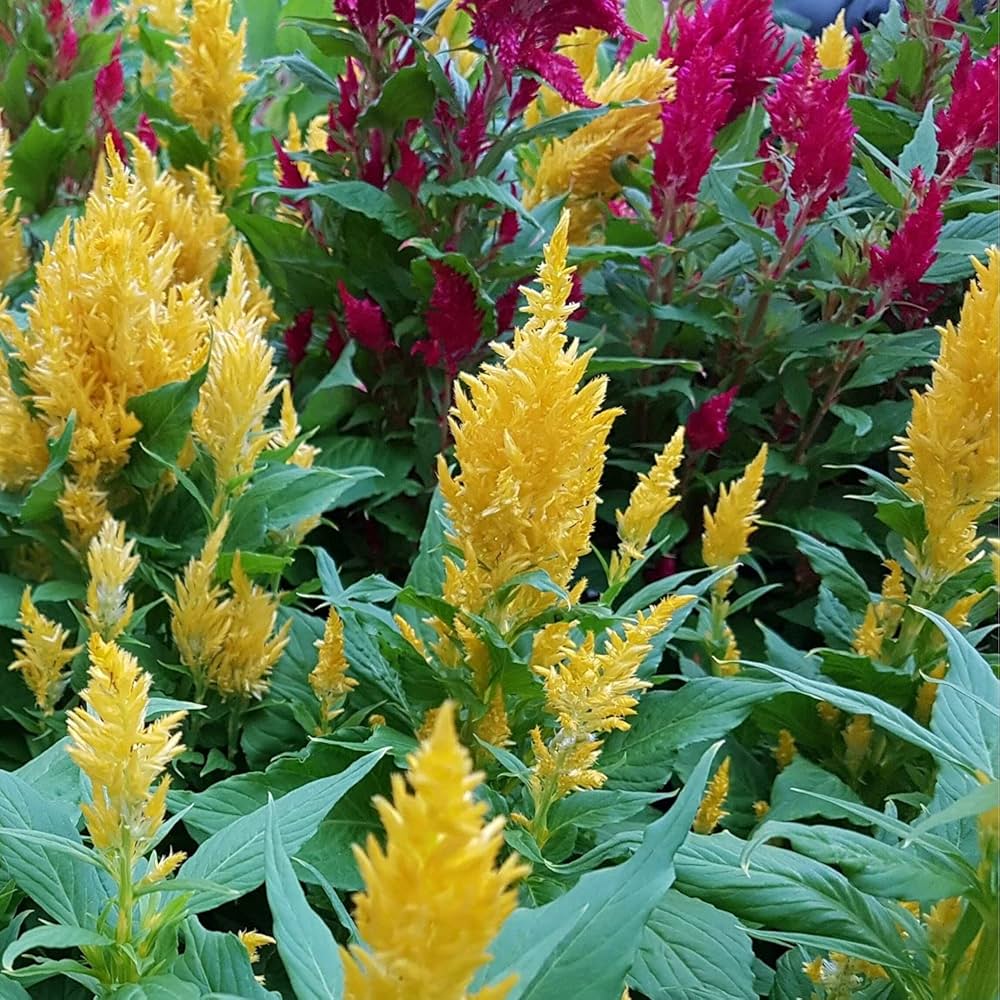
point(785, 751)
point(760, 809)
point(288, 430)
point(942, 921)
point(231, 160)
point(869, 635)
point(813, 970)
point(834, 46)
point(24, 455)
point(881, 618)
point(42, 654)
point(830, 714)
point(166, 15)
point(111, 562)
point(525, 497)
point(199, 619)
point(407, 631)
point(13, 255)
point(84, 509)
point(951, 450)
point(253, 941)
point(728, 529)
point(329, 679)
point(552, 644)
point(711, 811)
point(652, 498)
point(434, 895)
point(857, 742)
point(251, 646)
point(163, 868)
point(893, 594)
point(123, 757)
point(958, 613)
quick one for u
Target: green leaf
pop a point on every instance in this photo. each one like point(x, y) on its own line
point(592, 809)
point(833, 525)
point(306, 946)
point(165, 414)
point(233, 857)
point(858, 420)
point(836, 572)
point(690, 948)
point(356, 196)
point(216, 962)
point(52, 936)
point(317, 80)
point(40, 503)
point(479, 189)
point(960, 240)
point(36, 162)
point(787, 802)
point(408, 93)
point(922, 150)
point(159, 988)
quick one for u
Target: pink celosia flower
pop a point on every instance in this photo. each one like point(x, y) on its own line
point(708, 427)
point(288, 170)
point(858, 64)
point(971, 120)
point(472, 139)
point(523, 33)
point(55, 17)
point(99, 10)
point(366, 15)
point(366, 322)
point(740, 35)
point(335, 341)
point(69, 49)
point(454, 320)
point(109, 83)
point(897, 269)
point(297, 337)
point(506, 307)
point(508, 228)
point(146, 134)
point(411, 170)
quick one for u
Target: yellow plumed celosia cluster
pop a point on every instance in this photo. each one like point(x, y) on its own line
point(711, 810)
point(166, 15)
point(111, 562)
point(329, 680)
point(882, 617)
point(42, 654)
point(13, 255)
point(951, 450)
point(434, 896)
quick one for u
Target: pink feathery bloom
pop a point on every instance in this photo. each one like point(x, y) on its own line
point(454, 320)
point(681, 158)
point(366, 15)
point(69, 49)
point(55, 16)
point(472, 139)
point(857, 66)
point(366, 323)
point(411, 170)
point(335, 341)
point(508, 228)
point(523, 33)
point(897, 269)
point(506, 307)
point(297, 337)
point(146, 133)
point(971, 121)
point(344, 115)
point(741, 35)
point(109, 83)
point(99, 10)
point(708, 427)
point(288, 169)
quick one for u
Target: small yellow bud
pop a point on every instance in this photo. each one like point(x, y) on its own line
point(784, 752)
point(857, 740)
point(710, 812)
point(253, 941)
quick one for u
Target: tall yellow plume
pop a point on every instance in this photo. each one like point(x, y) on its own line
point(712, 808)
point(24, 454)
point(111, 562)
point(834, 46)
point(329, 679)
point(42, 654)
point(13, 255)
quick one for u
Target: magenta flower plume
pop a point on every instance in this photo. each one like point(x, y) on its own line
point(708, 427)
point(69, 49)
point(109, 90)
point(365, 321)
point(740, 35)
point(523, 33)
point(147, 134)
point(99, 10)
point(297, 337)
point(971, 121)
point(366, 15)
point(411, 170)
point(454, 320)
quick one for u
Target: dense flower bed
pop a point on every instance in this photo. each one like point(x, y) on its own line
point(497, 500)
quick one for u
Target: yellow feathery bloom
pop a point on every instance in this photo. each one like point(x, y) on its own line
point(760, 809)
point(107, 323)
point(830, 714)
point(13, 255)
point(289, 429)
point(294, 144)
point(231, 160)
point(121, 755)
point(166, 15)
point(726, 665)
point(942, 921)
point(525, 495)
point(869, 635)
point(652, 497)
point(238, 391)
point(814, 970)
point(728, 530)
point(552, 644)
point(84, 509)
point(251, 646)
point(927, 695)
point(857, 742)
point(208, 79)
point(42, 654)
point(25, 454)
point(580, 164)
point(434, 896)
point(199, 619)
point(329, 679)
point(881, 618)
point(951, 451)
point(409, 633)
point(163, 868)
point(785, 751)
point(834, 46)
point(253, 941)
point(958, 613)
point(111, 563)
point(893, 594)
point(710, 811)
point(259, 302)
point(191, 214)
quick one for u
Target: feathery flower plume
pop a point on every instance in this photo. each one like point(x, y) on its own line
point(524, 33)
point(728, 529)
point(708, 426)
point(111, 562)
point(881, 619)
point(652, 498)
point(951, 450)
point(24, 455)
point(84, 509)
point(580, 165)
point(123, 757)
point(42, 654)
point(13, 255)
point(253, 941)
point(434, 896)
point(107, 323)
point(165, 15)
point(329, 679)
point(857, 742)
point(712, 808)
point(289, 429)
point(365, 321)
point(366, 15)
point(239, 388)
point(834, 46)
point(454, 320)
point(785, 751)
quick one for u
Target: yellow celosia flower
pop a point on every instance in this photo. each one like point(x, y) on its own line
point(25, 454)
point(881, 619)
point(834, 46)
point(42, 654)
point(760, 809)
point(238, 391)
point(375, 720)
point(785, 751)
point(163, 868)
point(530, 446)
point(13, 255)
point(111, 563)
point(191, 214)
point(726, 665)
point(84, 509)
point(329, 679)
point(951, 451)
point(107, 324)
point(434, 896)
point(123, 757)
point(840, 974)
point(294, 144)
point(166, 15)
point(251, 647)
point(253, 941)
point(927, 695)
point(728, 530)
point(942, 921)
point(857, 742)
point(289, 429)
point(958, 613)
point(451, 34)
point(409, 633)
point(580, 164)
point(711, 810)
point(231, 160)
point(652, 498)
point(830, 714)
